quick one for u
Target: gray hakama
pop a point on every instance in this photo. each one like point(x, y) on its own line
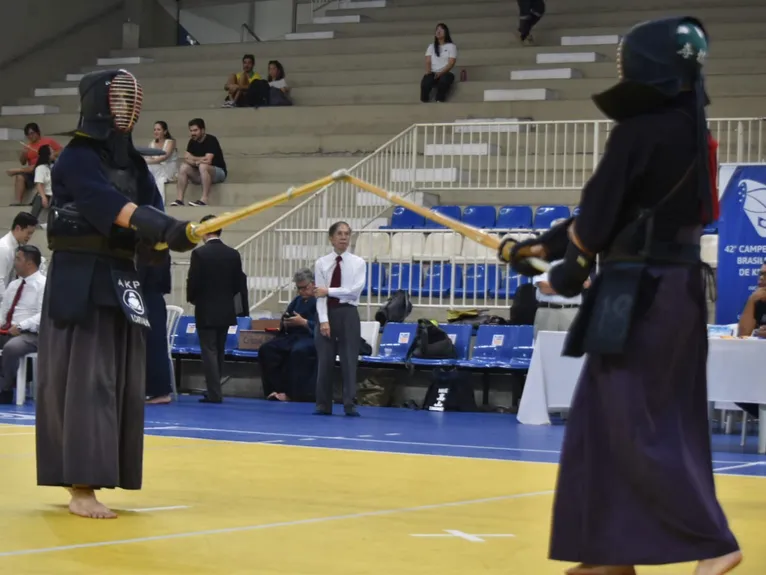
point(635, 484)
point(90, 401)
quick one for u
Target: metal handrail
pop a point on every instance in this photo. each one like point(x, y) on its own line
point(250, 30)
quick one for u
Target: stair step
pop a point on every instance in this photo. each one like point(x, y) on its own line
point(7, 134)
point(360, 4)
point(126, 61)
point(324, 35)
point(523, 95)
point(39, 92)
point(420, 198)
point(36, 110)
point(350, 19)
point(430, 175)
point(483, 128)
point(546, 74)
point(480, 149)
point(568, 57)
point(74, 77)
point(590, 40)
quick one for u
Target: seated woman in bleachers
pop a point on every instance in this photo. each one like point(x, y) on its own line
point(164, 167)
point(440, 59)
point(42, 179)
point(279, 91)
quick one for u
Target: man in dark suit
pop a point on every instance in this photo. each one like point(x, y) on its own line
point(217, 287)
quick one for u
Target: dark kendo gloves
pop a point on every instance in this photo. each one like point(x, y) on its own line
point(568, 277)
point(154, 227)
point(554, 242)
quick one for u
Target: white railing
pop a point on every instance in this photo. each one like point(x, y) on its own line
point(458, 163)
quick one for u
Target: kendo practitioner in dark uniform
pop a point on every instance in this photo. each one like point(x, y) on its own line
point(635, 483)
point(92, 348)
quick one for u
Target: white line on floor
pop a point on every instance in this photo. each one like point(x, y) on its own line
point(263, 526)
point(14, 434)
point(151, 509)
point(740, 466)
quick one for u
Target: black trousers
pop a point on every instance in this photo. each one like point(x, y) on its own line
point(530, 13)
point(289, 366)
point(158, 372)
point(212, 342)
point(442, 85)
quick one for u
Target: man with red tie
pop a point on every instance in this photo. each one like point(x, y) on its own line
point(20, 316)
point(340, 277)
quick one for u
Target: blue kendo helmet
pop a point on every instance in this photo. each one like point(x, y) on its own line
point(656, 60)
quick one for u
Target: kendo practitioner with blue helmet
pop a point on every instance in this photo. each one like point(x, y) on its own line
point(635, 484)
point(105, 217)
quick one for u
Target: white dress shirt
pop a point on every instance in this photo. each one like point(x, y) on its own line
point(8, 247)
point(353, 274)
point(555, 298)
point(26, 315)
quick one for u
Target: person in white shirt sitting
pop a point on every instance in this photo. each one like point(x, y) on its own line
point(554, 312)
point(440, 59)
point(43, 186)
point(279, 91)
point(164, 167)
point(20, 317)
point(22, 229)
point(339, 278)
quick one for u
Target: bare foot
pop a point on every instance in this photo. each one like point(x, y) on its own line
point(85, 504)
point(583, 569)
point(719, 565)
point(161, 400)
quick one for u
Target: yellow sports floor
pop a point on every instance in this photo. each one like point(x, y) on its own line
point(216, 507)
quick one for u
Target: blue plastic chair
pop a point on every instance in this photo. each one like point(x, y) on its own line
point(576, 211)
point(232, 337)
point(474, 284)
point(438, 281)
point(376, 278)
point(404, 219)
point(449, 211)
point(401, 276)
point(479, 216)
point(243, 323)
point(395, 342)
point(508, 284)
point(514, 217)
point(461, 336)
point(522, 352)
point(493, 347)
point(711, 229)
point(186, 340)
point(546, 215)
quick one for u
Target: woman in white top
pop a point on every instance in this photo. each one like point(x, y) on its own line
point(279, 91)
point(43, 189)
point(164, 167)
point(440, 59)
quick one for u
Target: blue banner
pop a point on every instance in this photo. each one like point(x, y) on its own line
point(741, 240)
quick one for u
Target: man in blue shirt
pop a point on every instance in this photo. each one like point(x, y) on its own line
point(288, 362)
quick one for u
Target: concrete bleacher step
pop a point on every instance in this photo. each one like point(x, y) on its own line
point(319, 35)
point(11, 134)
point(568, 57)
point(74, 77)
point(33, 110)
point(429, 175)
point(477, 149)
point(602, 40)
point(466, 126)
point(124, 61)
point(349, 19)
point(546, 74)
point(420, 198)
point(360, 4)
point(522, 95)
point(42, 92)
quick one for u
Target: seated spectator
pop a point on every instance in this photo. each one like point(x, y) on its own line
point(42, 183)
point(440, 59)
point(752, 322)
point(279, 91)
point(289, 361)
point(20, 317)
point(203, 163)
point(530, 13)
point(24, 177)
point(246, 88)
point(22, 229)
point(164, 168)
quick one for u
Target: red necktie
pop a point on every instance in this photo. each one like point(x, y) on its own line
point(9, 316)
point(335, 282)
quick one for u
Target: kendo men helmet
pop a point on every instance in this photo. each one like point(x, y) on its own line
point(656, 60)
point(110, 102)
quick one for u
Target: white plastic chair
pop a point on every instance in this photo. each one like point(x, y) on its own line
point(709, 250)
point(21, 377)
point(370, 331)
point(442, 245)
point(372, 246)
point(174, 315)
point(405, 244)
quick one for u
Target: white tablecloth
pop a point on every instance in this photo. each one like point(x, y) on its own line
point(735, 373)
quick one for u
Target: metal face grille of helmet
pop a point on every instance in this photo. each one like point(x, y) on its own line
point(125, 100)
